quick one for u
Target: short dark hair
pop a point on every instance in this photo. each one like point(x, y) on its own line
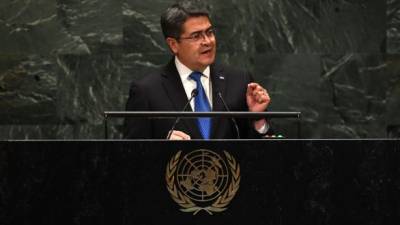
point(176, 15)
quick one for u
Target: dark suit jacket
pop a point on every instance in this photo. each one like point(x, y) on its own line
point(163, 91)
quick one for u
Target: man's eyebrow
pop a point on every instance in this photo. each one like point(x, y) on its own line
point(199, 31)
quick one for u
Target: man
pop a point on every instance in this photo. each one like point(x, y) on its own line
point(191, 38)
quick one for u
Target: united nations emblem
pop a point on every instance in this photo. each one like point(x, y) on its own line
point(202, 180)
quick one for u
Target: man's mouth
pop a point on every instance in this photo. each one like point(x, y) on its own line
point(206, 51)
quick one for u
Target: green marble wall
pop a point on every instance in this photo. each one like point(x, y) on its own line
point(64, 62)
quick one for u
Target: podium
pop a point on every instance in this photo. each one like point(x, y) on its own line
point(126, 182)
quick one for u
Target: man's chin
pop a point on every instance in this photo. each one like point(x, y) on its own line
point(208, 61)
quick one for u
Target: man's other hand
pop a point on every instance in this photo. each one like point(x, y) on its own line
point(178, 135)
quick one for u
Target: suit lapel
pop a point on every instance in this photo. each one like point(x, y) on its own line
point(176, 93)
point(218, 80)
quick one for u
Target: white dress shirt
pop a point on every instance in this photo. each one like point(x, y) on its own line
point(189, 84)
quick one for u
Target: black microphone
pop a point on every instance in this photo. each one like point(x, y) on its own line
point(194, 93)
point(232, 118)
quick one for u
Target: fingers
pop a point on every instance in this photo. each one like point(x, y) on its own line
point(258, 93)
point(254, 88)
point(261, 98)
point(250, 88)
point(179, 135)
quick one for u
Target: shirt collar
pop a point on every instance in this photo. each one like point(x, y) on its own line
point(184, 71)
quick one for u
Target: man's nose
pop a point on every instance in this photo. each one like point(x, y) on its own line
point(205, 39)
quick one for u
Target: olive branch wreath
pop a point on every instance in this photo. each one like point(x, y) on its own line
point(186, 203)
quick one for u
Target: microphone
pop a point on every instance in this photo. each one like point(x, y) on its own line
point(194, 93)
point(232, 118)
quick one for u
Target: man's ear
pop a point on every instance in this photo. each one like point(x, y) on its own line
point(173, 44)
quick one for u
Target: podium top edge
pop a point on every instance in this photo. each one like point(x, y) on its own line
point(167, 114)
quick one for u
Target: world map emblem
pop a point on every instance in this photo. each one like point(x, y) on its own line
point(202, 180)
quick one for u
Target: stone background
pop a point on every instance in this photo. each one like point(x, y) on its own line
point(64, 62)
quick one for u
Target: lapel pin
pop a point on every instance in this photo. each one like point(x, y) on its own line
point(221, 78)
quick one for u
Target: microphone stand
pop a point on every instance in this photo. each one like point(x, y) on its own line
point(193, 94)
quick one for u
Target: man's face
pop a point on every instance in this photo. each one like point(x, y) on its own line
point(196, 47)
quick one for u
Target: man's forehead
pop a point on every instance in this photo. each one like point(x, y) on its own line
point(194, 24)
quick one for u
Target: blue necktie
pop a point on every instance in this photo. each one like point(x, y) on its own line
point(201, 104)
